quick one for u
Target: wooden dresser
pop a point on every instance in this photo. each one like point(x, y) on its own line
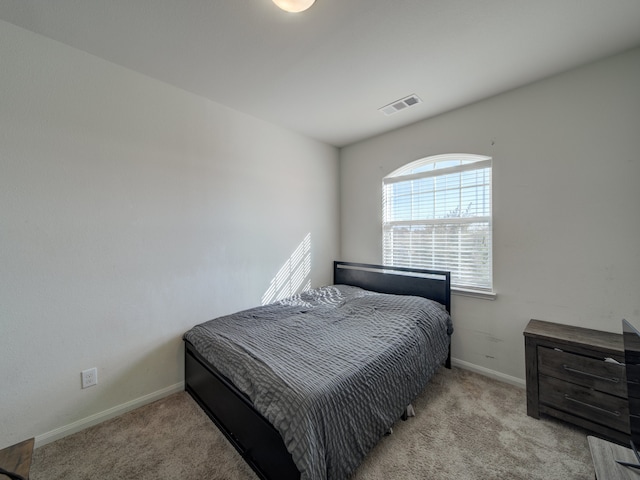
point(572, 374)
point(17, 458)
point(605, 454)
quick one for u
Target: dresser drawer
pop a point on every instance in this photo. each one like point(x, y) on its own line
point(586, 371)
point(568, 378)
point(598, 407)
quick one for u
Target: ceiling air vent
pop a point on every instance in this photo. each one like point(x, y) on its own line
point(401, 104)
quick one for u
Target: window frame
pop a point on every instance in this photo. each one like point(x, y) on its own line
point(407, 173)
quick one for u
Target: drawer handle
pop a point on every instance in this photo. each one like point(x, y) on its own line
point(599, 377)
point(617, 414)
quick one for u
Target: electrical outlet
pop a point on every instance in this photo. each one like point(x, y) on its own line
point(89, 377)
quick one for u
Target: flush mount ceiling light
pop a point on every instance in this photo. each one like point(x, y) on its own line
point(294, 6)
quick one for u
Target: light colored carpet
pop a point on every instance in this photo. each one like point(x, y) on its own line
point(466, 427)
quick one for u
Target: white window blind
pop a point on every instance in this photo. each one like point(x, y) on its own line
point(437, 215)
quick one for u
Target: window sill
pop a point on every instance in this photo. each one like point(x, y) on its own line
point(474, 293)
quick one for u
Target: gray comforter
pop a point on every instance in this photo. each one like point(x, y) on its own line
point(332, 368)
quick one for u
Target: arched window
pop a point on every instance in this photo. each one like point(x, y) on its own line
point(437, 215)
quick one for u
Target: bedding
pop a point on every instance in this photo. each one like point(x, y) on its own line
point(331, 368)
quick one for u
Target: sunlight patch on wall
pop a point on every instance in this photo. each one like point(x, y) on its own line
point(294, 276)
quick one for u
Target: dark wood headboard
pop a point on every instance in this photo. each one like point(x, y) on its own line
point(431, 284)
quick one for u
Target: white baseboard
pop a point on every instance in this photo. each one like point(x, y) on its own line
point(518, 382)
point(100, 417)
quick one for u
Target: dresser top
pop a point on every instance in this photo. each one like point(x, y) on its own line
point(571, 335)
point(605, 454)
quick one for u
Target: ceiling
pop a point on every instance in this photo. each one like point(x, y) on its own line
point(325, 72)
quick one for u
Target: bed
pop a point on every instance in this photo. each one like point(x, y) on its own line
point(305, 387)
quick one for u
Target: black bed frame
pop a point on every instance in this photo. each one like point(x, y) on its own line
point(257, 441)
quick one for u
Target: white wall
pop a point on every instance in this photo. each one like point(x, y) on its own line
point(566, 184)
point(130, 211)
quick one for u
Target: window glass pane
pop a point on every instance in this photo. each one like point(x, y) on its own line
point(447, 163)
point(441, 222)
point(423, 168)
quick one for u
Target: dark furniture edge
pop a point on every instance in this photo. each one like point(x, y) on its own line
point(431, 284)
point(257, 441)
point(584, 341)
point(609, 433)
point(589, 339)
point(15, 460)
point(531, 363)
point(235, 416)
